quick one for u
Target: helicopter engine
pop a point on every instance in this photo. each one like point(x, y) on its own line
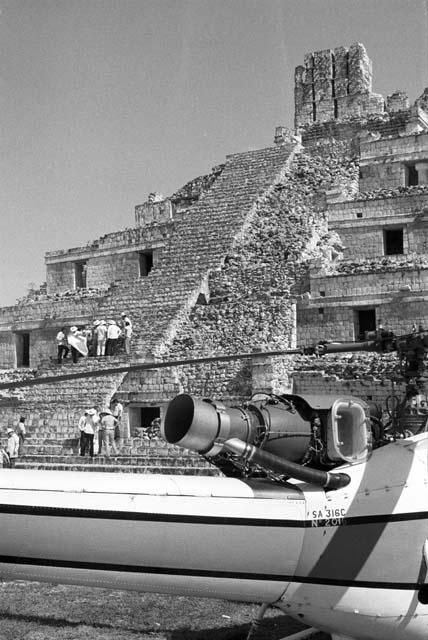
point(313, 431)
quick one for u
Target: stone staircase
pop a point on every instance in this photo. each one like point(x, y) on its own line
point(199, 241)
point(150, 462)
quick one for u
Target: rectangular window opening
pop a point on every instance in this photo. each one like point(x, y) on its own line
point(145, 263)
point(393, 243)
point(22, 349)
point(364, 320)
point(80, 275)
point(359, 214)
point(411, 175)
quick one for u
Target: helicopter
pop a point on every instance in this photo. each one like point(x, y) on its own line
point(321, 510)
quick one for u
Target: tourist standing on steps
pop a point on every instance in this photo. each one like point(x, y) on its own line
point(81, 426)
point(127, 332)
point(89, 429)
point(101, 335)
point(12, 446)
point(117, 412)
point(77, 341)
point(113, 333)
point(62, 344)
point(20, 430)
point(108, 422)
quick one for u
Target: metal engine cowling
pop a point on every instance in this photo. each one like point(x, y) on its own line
point(203, 426)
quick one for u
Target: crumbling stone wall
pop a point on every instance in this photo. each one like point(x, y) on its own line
point(335, 84)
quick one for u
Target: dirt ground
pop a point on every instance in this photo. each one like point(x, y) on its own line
point(36, 611)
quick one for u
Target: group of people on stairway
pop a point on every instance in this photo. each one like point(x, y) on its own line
point(99, 339)
point(101, 430)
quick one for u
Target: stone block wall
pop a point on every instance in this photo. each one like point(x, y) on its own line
point(370, 390)
point(7, 351)
point(112, 257)
point(153, 212)
point(370, 376)
point(334, 317)
point(361, 224)
point(335, 84)
point(42, 319)
point(383, 162)
point(366, 128)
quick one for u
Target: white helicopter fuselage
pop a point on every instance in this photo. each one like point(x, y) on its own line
point(350, 562)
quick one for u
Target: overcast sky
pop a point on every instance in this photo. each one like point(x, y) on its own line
point(102, 101)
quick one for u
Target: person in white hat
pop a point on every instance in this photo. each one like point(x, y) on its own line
point(89, 428)
point(108, 424)
point(12, 446)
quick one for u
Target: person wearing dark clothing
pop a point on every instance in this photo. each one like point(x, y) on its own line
point(21, 432)
point(88, 431)
point(113, 333)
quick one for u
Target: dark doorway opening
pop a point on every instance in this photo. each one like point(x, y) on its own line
point(147, 414)
point(411, 176)
point(80, 275)
point(393, 242)
point(146, 263)
point(22, 346)
point(364, 320)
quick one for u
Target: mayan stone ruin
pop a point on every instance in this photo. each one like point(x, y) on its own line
point(320, 236)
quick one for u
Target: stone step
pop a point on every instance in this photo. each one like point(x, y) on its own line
point(120, 459)
point(134, 442)
point(118, 468)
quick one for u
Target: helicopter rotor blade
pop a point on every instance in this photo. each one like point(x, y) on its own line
point(31, 382)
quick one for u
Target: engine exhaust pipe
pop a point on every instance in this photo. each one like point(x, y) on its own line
point(250, 453)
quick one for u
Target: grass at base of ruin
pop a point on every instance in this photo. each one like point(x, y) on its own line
point(38, 611)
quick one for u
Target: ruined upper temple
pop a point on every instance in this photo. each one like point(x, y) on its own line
point(334, 85)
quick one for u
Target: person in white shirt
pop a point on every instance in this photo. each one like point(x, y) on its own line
point(113, 333)
point(81, 426)
point(101, 335)
point(62, 344)
point(12, 446)
point(117, 412)
point(89, 428)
